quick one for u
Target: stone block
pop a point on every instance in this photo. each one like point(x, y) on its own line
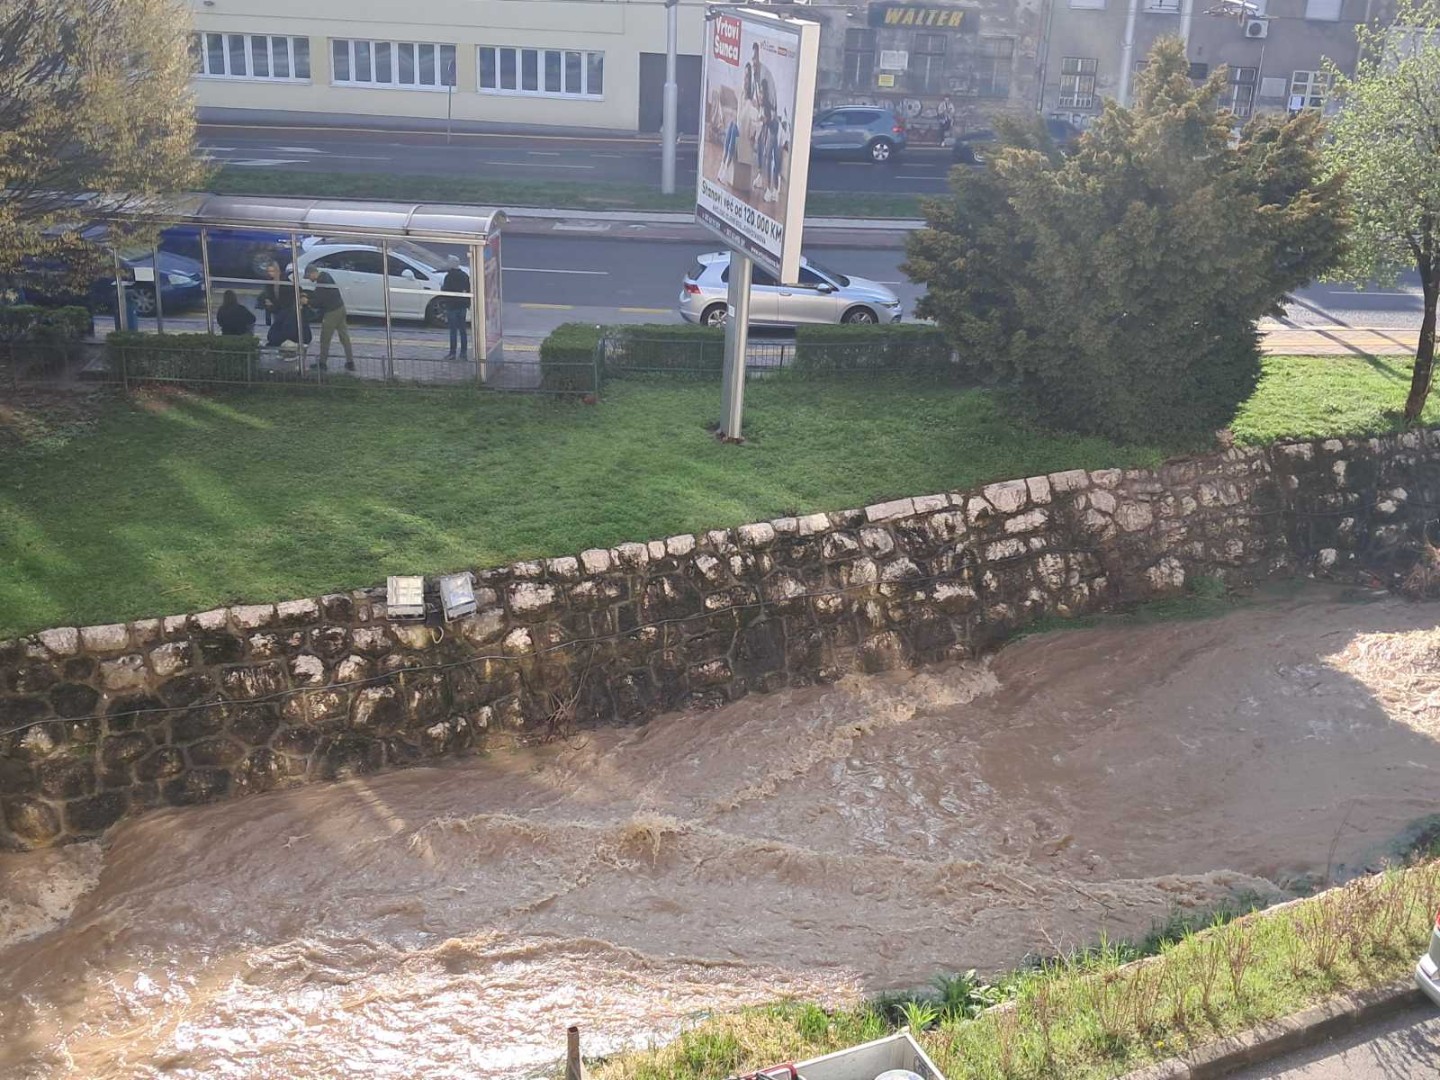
point(812, 525)
point(860, 573)
point(31, 678)
point(839, 545)
point(877, 541)
point(1134, 516)
point(254, 681)
point(329, 642)
point(565, 568)
point(1102, 502)
point(928, 504)
point(33, 821)
point(531, 602)
point(978, 511)
point(216, 648)
point(757, 535)
point(631, 556)
point(656, 550)
point(337, 608)
point(221, 753)
point(307, 670)
point(126, 673)
point(62, 641)
point(528, 570)
point(196, 786)
point(74, 699)
point(210, 622)
point(171, 658)
point(119, 751)
point(253, 616)
point(1008, 496)
point(66, 775)
point(1039, 489)
point(172, 625)
point(186, 689)
point(110, 638)
point(370, 639)
point(416, 636)
point(297, 612)
point(1105, 478)
point(595, 560)
point(1026, 522)
point(889, 511)
point(882, 652)
point(680, 546)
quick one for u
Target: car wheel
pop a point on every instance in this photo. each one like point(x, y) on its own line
point(435, 313)
point(881, 151)
point(144, 300)
point(714, 315)
point(859, 316)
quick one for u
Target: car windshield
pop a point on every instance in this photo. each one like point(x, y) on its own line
point(839, 279)
point(419, 252)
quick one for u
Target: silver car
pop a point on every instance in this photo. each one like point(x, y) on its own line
point(822, 296)
point(1427, 972)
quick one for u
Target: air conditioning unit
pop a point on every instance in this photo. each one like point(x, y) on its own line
point(1257, 28)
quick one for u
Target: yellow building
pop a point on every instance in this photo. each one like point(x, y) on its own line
point(563, 63)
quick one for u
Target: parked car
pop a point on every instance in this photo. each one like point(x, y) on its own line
point(822, 296)
point(974, 147)
point(360, 273)
point(46, 283)
point(238, 254)
point(858, 130)
point(1427, 972)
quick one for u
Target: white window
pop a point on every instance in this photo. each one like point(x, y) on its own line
point(1163, 7)
point(1098, 5)
point(251, 56)
point(1077, 82)
point(505, 69)
point(410, 65)
point(1240, 95)
point(1308, 89)
point(1329, 10)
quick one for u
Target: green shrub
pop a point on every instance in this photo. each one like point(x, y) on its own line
point(201, 357)
point(567, 359)
point(897, 347)
point(664, 348)
point(43, 337)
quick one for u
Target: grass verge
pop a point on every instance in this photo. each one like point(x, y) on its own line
point(1096, 1015)
point(1316, 396)
point(553, 193)
point(180, 502)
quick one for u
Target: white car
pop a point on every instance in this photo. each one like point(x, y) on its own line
point(414, 274)
point(821, 296)
point(1427, 972)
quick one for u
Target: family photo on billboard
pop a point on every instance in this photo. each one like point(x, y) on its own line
point(753, 77)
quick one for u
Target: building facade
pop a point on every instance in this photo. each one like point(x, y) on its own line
point(1274, 50)
point(944, 65)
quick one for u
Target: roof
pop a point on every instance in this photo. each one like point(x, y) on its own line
point(444, 222)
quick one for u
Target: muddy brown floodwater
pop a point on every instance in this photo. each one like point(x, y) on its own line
point(449, 922)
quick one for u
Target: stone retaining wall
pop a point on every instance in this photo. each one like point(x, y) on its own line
point(103, 721)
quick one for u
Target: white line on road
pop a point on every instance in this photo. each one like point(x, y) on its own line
point(532, 164)
point(546, 270)
point(265, 163)
point(298, 150)
point(937, 179)
point(542, 153)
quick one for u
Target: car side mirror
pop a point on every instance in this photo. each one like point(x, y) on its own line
point(408, 274)
point(825, 287)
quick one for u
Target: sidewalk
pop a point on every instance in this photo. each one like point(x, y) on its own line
point(1337, 341)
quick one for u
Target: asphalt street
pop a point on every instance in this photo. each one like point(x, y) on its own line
point(594, 159)
point(1402, 1047)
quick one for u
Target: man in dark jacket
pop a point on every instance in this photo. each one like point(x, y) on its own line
point(331, 305)
point(457, 308)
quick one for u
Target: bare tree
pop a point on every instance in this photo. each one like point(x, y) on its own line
point(94, 101)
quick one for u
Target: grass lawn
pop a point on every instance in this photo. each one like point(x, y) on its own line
point(178, 503)
point(1314, 396)
point(553, 193)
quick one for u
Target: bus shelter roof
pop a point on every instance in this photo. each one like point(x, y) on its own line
point(446, 222)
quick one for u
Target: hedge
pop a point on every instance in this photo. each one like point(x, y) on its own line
point(897, 347)
point(567, 359)
point(203, 357)
point(49, 335)
point(664, 348)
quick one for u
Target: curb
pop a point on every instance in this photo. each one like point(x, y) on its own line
point(1314, 1025)
point(670, 217)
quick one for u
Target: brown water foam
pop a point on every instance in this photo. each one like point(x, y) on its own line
point(451, 921)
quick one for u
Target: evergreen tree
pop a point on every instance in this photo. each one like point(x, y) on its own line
point(1115, 290)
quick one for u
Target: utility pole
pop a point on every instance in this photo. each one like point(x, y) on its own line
point(1127, 53)
point(671, 108)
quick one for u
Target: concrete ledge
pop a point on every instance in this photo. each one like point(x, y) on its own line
point(1335, 1016)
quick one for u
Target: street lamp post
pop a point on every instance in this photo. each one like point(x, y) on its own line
point(670, 115)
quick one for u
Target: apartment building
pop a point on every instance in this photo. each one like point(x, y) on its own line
point(1274, 50)
point(946, 65)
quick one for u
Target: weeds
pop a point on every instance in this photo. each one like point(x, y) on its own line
point(1092, 1013)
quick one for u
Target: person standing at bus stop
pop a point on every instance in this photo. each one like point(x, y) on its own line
point(331, 305)
point(457, 308)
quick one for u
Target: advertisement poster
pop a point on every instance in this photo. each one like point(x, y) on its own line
point(759, 94)
point(490, 282)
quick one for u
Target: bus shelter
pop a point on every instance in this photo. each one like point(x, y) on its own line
point(392, 265)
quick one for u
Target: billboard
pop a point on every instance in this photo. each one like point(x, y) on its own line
point(759, 94)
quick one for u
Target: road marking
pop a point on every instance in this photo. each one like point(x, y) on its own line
point(646, 310)
point(298, 150)
point(542, 153)
point(532, 164)
point(544, 270)
point(937, 179)
point(265, 163)
point(549, 307)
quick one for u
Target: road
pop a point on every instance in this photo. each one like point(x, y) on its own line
point(601, 160)
point(1403, 1047)
point(555, 278)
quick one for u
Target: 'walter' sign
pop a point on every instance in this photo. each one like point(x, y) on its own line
point(922, 16)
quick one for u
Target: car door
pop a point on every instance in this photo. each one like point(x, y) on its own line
point(764, 295)
point(812, 300)
point(356, 272)
point(855, 129)
point(411, 288)
point(827, 133)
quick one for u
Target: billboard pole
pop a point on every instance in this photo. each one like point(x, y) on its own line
point(737, 333)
